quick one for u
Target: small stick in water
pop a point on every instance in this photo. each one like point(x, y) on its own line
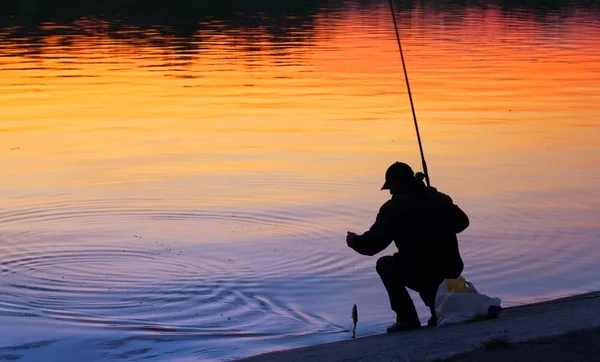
point(354, 319)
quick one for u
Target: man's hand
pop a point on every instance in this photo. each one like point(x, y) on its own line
point(351, 238)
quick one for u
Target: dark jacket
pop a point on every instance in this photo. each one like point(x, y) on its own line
point(423, 223)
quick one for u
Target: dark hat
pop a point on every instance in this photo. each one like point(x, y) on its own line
point(398, 171)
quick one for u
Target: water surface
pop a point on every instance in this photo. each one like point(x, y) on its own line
point(177, 182)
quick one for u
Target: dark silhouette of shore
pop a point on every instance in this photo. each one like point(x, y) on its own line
point(277, 16)
point(184, 22)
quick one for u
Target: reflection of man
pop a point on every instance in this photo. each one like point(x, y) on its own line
point(423, 224)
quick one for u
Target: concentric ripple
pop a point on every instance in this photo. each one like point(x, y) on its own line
point(133, 290)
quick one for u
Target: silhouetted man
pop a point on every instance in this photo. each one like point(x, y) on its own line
point(423, 224)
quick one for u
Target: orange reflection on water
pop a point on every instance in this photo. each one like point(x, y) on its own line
point(101, 110)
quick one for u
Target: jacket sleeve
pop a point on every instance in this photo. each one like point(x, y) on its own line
point(379, 236)
point(460, 220)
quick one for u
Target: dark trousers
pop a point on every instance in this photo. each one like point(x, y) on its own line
point(397, 276)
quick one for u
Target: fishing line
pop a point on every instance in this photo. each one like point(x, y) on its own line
point(409, 94)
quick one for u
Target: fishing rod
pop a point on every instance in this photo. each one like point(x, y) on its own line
point(410, 94)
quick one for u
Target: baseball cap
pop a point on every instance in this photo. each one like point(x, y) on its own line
point(397, 171)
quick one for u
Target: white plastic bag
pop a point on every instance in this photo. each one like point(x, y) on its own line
point(457, 307)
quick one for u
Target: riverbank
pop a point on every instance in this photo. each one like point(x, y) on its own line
point(517, 330)
point(574, 346)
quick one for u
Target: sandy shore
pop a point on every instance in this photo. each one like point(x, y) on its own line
point(534, 328)
point(576, 346)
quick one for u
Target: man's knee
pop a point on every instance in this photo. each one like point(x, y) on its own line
point(385, 265)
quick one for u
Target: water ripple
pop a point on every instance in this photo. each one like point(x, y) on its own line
point(141, 291)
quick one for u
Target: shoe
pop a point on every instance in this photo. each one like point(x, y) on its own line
point(403, 326)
